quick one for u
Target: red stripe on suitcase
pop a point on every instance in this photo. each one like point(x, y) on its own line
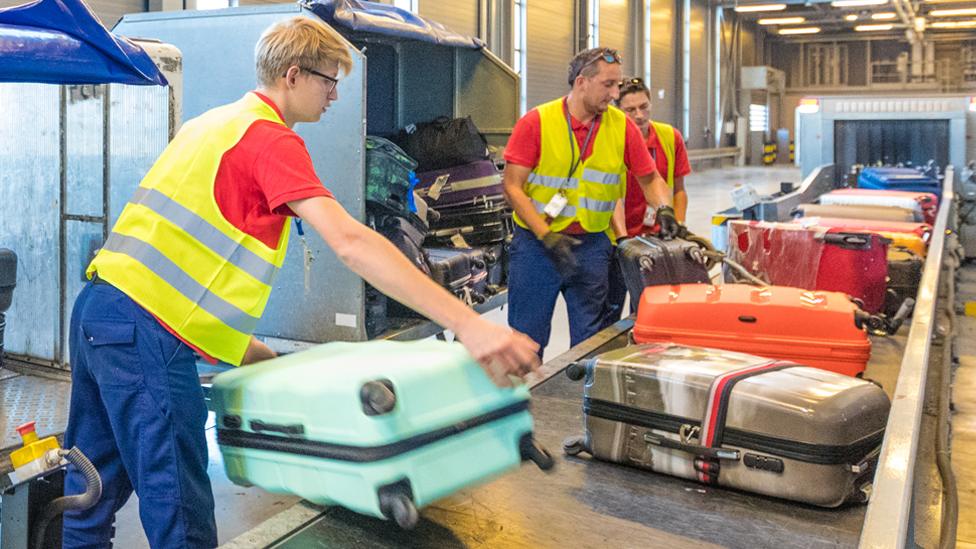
point(719, 395)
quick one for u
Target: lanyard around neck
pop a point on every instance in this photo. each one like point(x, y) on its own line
point(572, 139)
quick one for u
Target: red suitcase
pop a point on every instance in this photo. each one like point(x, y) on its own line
point(927, 203)
point(813, 258)
point(913, 237)
point(814, 328)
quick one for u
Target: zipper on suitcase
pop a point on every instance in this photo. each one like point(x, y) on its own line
point(238, 438)
point(821, 454)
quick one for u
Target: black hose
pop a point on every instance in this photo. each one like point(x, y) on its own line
point(80, 502)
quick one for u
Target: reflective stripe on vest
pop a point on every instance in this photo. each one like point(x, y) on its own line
point(173, 252)
point(665, 136)
point(598, 182)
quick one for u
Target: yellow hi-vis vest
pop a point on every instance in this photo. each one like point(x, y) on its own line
point(175, 254)
point(665, 136)
point(598, 182)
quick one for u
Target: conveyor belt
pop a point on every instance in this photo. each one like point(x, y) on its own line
point(587, 503)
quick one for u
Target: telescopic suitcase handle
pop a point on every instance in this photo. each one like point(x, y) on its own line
point(694, 449)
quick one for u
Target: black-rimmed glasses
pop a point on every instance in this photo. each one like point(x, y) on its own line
point(328, 79)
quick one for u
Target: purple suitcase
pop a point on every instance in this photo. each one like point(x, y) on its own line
point(460, 185)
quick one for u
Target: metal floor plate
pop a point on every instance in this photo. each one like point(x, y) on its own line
point(26, 398)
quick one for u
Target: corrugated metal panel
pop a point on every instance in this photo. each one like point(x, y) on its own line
point(617, 31)
point(698, 82)
point(665, 72)
point(29, 204)
point(549, 48)
point(460, 16)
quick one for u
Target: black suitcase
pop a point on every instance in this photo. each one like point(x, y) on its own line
point(904, 276)
point(8, 278)
point(496, 258)
point(649, 261)
point(406, 236)
point(488, 222)
point(377, 317)
point(462, 271)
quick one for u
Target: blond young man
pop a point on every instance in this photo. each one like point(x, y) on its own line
point(188, 269)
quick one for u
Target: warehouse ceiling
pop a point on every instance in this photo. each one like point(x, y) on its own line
point(867, 18)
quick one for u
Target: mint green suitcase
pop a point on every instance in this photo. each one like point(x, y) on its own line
point(382, 428)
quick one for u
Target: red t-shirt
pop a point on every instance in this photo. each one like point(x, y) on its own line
point(635, 205)
point(257, 177)
point(525, 144)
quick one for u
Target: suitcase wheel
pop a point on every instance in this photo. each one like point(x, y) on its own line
point(574, 445)
point(575, 371)
point(377, 397)
point(531, 450)
point(396, 502)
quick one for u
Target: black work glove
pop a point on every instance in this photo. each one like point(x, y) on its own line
point(668, 223)
point(559, 248)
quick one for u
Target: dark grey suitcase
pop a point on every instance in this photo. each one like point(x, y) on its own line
point(650, 261)
point(406, 236)
point(733, 420)
point(462, 271)
point(904, 276)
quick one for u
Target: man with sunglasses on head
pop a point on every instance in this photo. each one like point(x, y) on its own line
point(188, 268)
point(667, 148)
point(565, 177)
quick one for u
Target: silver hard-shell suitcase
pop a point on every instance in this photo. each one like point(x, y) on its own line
point(733, 420)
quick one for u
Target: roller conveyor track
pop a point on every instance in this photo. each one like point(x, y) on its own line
point(587, 503)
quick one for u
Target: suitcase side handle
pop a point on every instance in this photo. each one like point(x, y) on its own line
point(850, 241)
point(694, 449)
point(293, 429)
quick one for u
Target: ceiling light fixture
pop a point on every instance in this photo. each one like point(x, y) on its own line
point(884, 16)
point(851, 17)
point(782, 21)
point(800, 30)
point(855, 3)
point(762, 7)
point(971, 23)
point(952, 13)
point(866, 28)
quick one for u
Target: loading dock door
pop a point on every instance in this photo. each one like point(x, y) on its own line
point(890, 141)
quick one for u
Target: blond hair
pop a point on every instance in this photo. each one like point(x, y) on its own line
point(300, 41)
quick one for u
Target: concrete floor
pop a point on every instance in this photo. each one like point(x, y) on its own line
point(239, 509)
point(964, 419)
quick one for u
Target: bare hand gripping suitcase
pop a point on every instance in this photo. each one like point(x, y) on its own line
point(381, 428)
point(733, 420)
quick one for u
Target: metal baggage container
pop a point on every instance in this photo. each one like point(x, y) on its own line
point(649, 261)
point(733, 420)
point(382, 428)
point(819, 329)
point(848, 211)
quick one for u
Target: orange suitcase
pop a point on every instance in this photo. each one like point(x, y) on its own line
point(816, 328)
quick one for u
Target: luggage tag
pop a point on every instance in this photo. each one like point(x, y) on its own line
point(556, 205)
point(435, 190)
point(650, 216)
point(307, 256)
point(458, 241)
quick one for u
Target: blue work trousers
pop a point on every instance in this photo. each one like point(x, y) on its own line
point(534, 283)
point(137, 411)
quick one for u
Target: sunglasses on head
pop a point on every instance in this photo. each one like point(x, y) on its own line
point(607, 55)
point(632, 85)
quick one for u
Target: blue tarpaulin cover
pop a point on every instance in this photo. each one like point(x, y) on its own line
point(62, 42)
point(359, 15)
